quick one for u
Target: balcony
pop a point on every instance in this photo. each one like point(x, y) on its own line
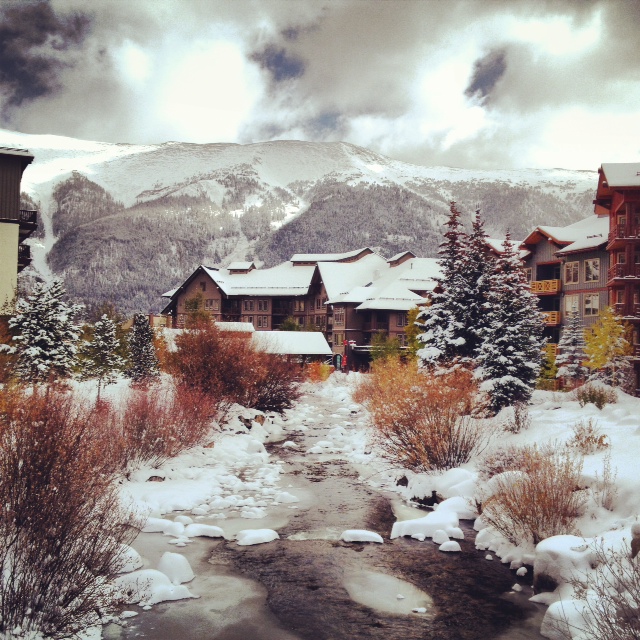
point(546, 287)
point(28, 222)
point(623, 271)
point(552, 318)
point(620, 234)
point(627, 310)
point(24, 256)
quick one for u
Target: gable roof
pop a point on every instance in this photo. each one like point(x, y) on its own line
point(330, 257)
point(293, 343)
point(588, 233)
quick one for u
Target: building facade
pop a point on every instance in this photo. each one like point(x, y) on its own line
point(16, 225)
point(349, 297)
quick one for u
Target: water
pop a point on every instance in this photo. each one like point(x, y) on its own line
point(309, 585)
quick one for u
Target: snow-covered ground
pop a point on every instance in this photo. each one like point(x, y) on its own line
point(234, 490)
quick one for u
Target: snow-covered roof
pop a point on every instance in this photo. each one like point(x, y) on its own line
point(397, 287)
point(341, 277)
point(497, 245)
point(281, 280)
point(293, 343)
point(240, 266)
point(400, 255)
point(237, 327)
point(588, 233)
point(622, 174)
point(169, 294)
point(13, 151)
point(327, 257)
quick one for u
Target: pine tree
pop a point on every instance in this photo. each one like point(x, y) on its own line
point(571, 353)
point(45, 334)
point(100, 356)
point(143, 361)
point(453, 324)
point(607, 350)
point(511, 351)
point(443, 321)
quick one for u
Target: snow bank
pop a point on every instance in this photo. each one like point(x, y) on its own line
point(148, 586)
point(360, 535)
point(176, 567)
point(256, 536)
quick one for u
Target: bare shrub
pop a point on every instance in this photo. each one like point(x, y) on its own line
point(605, 491)
point(597, 394)
point(228, 369)
point(610, 595)
point(501, 460)
point(587, 437)
point(61, 524)
point(521, 420)
point(156, 425)
point(539, 499)
point(423, 422)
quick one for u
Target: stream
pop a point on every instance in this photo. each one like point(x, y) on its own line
point(309, 585)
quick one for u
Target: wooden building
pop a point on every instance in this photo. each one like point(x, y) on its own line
point(16, 225)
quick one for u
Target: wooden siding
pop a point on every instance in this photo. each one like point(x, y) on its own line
point(10, 176)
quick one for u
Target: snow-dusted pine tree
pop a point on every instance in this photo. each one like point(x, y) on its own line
point(100, 359)
point(451, 326)
point(511, 351)
point(571, 351)
point(143, 361)
point(443, 323)
point(45, 334)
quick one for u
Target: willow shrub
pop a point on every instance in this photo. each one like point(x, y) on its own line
point(421, 421)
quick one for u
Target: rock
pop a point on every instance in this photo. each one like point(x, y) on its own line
point(155, 479)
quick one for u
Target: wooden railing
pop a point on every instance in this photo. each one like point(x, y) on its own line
point(624, 271)
point(546, 286)
point(627, 310)
point(620, 232)
point(551, 318)
point(25, 216)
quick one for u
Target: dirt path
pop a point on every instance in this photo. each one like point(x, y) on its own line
point(306, 584)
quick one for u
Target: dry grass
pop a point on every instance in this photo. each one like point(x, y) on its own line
point(539, 499)
point(587, 437)
point(423, 422)
point(596, 394)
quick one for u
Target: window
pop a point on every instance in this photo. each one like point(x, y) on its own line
point(528, 274)
point(216, 305)
point(402, 339)
point(298, 305)
point(621, 257)
point(263, 305)
point(263, 322)
point(619, 296)
point(401, 320)
point(248, 319)
point(301, 320)
point(592, 270)
point(208, 304)
point(636, 258)
point(338, 315)
point(571, 303)
point(591, 304)
point(248, 305)
point(636, 297)
point(318, 303)
point(181, 319)
point(338, 339)
point(571, 273)
point(203, 286)
point(259, 322)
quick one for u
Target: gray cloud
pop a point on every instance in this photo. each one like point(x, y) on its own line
point(33, 43)
point(322, 71)
point(486, 73)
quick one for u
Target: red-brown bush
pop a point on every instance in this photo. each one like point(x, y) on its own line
point(61, 524)
point(228, 369)
point(157, 424)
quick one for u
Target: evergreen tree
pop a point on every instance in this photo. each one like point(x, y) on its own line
point(452, 326)
point(100, 356)
point(443, 322)
point(607, 350)
point(571, 351)
point(511, 351)
point(143, 361)
point(45, 334)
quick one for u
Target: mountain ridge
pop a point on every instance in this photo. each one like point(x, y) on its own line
point(175, 205)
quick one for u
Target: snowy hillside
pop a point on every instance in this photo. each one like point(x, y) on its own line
point(124, 222)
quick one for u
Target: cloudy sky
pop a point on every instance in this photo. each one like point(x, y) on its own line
point(469, 83)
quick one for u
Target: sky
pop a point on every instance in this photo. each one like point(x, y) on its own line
point(478, 84)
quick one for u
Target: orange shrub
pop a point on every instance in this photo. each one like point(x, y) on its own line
point(317, 371)
point(423, 421)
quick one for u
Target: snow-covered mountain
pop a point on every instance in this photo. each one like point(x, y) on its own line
point(124, 222)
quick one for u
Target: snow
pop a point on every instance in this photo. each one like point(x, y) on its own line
point(450, 546)
point(361, 535)
point(291, 342)
point(256, 536)
point(176, 567)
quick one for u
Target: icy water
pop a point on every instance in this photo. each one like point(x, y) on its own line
point(311, 586)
